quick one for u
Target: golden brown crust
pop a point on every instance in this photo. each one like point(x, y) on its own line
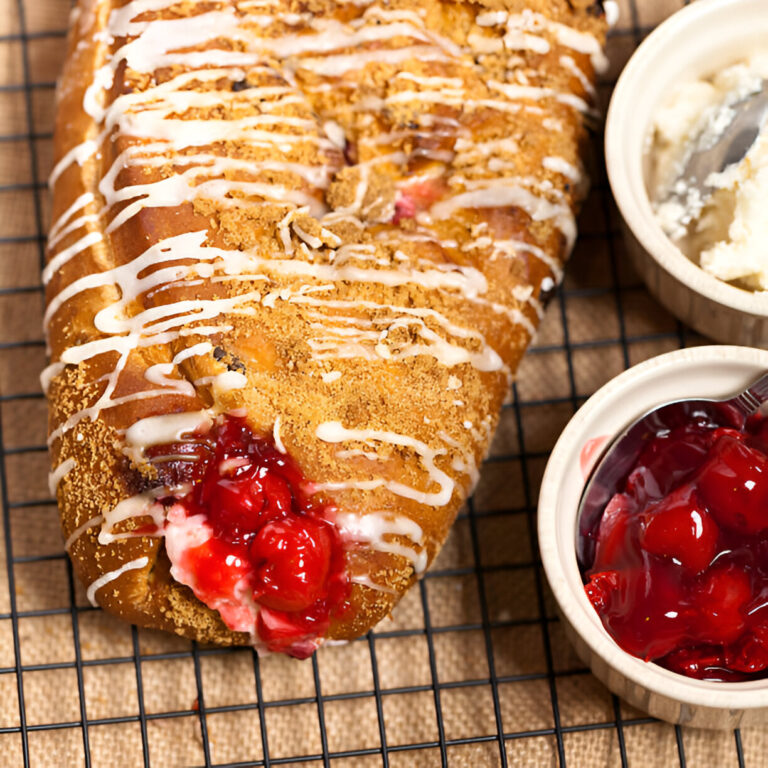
point(386, 388)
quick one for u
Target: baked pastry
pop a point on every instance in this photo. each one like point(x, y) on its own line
point(298, 251)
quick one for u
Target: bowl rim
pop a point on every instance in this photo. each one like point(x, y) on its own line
point(573, 604)
point(625, 174)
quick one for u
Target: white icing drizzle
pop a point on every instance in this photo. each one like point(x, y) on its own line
point(78, 154)
point(491, 18)
point(156, 114)
point(560, 165)
point(467, 150)
point(227, 381)
point(73, 226)
point(354, 452)
point(132, 565)
point(58, 474)
point(582, 42)
point(81, 529)
point(351, 343)
point(276, 435)
point(49, 373)
point(62, 257)
point(569, 64)
point(469, 281)
point(334, 432)
point(167, 428)
point(367, 581)
point(465, 464)
point(335, 133)
point(376, 529)
point(85, 199)
point(325, 641)
point(483, 43)
point(514, 247)
point(525, 29)
point(496, 194)
point(535, 93)
point(141, 505)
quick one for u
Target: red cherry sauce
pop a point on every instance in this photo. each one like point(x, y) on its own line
point(680, 568)
point(269, 537)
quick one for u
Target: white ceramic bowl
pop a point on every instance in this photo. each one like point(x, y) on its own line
point(696, 41)
point(716, 371)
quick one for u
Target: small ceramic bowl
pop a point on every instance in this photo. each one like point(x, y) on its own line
point(696, 41)
point(716, 371)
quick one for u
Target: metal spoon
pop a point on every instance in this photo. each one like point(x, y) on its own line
point(618, 458)
point(734, 142)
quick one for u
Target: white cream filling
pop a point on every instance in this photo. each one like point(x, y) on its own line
point(184, 533)
point(725, 233)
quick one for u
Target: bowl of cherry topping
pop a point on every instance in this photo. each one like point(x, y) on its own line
point(664, 592)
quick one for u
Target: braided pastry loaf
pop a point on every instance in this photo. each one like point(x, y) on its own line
point(298, 252)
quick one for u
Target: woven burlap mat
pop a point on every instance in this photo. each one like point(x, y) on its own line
point(474, 651)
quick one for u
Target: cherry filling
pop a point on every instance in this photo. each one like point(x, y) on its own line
point(417, 197)
point(680, 568)
point(251, 543)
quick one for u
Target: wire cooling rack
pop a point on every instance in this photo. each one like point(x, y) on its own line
point(472, 670)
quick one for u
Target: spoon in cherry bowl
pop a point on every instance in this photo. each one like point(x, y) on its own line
point(620, 455)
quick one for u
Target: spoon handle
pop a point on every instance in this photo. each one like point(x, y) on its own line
point(753, 397)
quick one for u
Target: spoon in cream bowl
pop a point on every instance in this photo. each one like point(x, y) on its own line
point(744, 121)
point(619, 457)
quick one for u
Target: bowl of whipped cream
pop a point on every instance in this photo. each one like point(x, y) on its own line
point(704, 256)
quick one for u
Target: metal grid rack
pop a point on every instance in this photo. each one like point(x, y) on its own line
point(544, 711)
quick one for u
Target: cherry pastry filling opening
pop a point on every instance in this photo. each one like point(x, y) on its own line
point(680, 568)
point(417, 197)
point(249, 539)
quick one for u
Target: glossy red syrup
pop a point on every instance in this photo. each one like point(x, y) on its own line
point(268, 535)
point(680, 569)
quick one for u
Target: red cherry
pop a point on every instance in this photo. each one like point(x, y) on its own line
point(405, 208)
point(680, 573)
point(697, 662)
point(234, 508)
point(642, 609)
point(180, 463)
point(757, 425)
point(292, 558)
point(666, 462)
point(217, 569)
point(733, 485)
point(727, 431)
point(278, 494)
point(751, 653)
point(284, 633)
point(651, 617)
point(269, 535)
point(612, 537)
point(600, 587)
point(680, 528)
point(722, 595)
